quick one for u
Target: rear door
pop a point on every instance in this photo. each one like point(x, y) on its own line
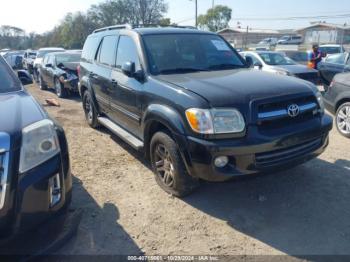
point(100, 77)
point(125, 104)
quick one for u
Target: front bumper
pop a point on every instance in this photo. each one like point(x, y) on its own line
point(258, 153)
point(71, 84)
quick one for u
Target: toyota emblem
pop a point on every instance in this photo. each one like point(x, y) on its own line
point(293, 110)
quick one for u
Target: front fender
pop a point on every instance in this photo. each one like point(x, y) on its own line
point(165, 115)
point(342, 96)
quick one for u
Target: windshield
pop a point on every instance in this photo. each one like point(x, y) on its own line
point(32, 54)
point(67, 58)
point(276, 59)
point(42, 53)
point(7, 81)
point(330, 50)
point(181, 53)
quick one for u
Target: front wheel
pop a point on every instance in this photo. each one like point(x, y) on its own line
point(343, 119)
point(61, 92)
point(90, 110)
point(42, 85)
point(169, 169)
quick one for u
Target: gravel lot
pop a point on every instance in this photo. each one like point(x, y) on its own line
point(304, 211)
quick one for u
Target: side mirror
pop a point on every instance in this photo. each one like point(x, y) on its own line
point(128, 69)
point(49, 65)
point(24, 77)
point(249, 61)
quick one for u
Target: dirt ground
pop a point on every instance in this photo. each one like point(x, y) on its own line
point(304, 211)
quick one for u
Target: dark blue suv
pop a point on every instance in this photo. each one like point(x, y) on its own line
point(195, 107)
point(35, 176)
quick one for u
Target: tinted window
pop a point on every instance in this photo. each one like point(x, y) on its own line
point(90, 48)
point(171, 53)
point(108, 50)
point(67, 58)
point(7, 81)
point(276, 59)
point(127, 52)
point(330, 50)
point(336, 59)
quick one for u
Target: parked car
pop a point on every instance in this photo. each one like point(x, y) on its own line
point(60, 71)
point(35, 178)
point(290, 40)
point(332, 65)
point(301, 57)
point(40, 56)
point(337, 101)
point(28, 60)
point(271, 41)
point(331, 49)
point(14, 59)
point(190, 102)
point(279, 63)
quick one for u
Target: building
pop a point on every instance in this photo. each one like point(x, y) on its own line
point(242, 38)
point(324, 33)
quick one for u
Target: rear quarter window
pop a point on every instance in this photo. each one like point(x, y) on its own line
point(90, 49)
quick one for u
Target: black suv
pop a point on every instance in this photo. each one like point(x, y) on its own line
point(195, 107)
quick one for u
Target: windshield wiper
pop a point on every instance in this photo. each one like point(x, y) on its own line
point(224, 66)
point(181, 70)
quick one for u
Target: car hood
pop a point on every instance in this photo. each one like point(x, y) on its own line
point(295, 69)
point(18, 110)
point(238, 87)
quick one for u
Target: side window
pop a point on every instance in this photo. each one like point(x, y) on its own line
point(255, 60)
point(336, 59)
point(89, 50)
point(51, 60)
point(107, 50)
point(127, 52)
point(45, 60)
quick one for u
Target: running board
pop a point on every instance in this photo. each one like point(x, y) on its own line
point(120, 132)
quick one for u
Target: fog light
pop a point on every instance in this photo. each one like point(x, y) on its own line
point(221, 161)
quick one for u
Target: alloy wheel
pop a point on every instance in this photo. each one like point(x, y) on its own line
point(343, 120)
point(164, 165)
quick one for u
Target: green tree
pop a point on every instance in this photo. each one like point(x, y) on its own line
point(216, 18)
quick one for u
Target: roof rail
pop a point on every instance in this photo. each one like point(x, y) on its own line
point(113, 27)
point(163, 26)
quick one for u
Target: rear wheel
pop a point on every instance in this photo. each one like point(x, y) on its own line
point(169, 169)
point(343, 119)
point(90, 110)
point(59, 88)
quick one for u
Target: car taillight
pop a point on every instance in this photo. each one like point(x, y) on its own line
point(78, 69)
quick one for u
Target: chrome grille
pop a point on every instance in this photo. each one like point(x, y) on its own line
point(276, 113)
point(3, 176)
point(4, 165)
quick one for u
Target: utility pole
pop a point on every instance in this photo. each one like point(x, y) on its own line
point(196, 13)
point(213, 5)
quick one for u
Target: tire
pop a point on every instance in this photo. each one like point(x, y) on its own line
point(42, 85)
point(343, 119)
point(168, 167)
point(90, 110)
point(61, 92)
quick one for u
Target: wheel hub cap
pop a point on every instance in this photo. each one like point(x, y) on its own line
point(343, 120)
point(164, 165)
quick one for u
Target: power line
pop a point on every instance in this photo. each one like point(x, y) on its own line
point(292, 18)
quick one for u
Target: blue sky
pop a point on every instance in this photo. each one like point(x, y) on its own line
point(43, 15)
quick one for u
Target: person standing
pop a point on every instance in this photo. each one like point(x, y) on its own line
point(316, 56)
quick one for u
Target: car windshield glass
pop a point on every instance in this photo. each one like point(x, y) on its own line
point(276, 59)
point(7, 79)
point(67, 58)
point(187, 53)
point(330, 50)
point(32, 55)
point(42, 53)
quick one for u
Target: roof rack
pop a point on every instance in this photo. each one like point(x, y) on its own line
point(113, 27)
point(128, 26)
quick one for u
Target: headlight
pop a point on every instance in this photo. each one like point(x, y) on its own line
point(39, 144)
point(215, 121)
point(320, 101)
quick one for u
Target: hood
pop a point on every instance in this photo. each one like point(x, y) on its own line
point(18, 110)
point(294, 69)
point(238, 88)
